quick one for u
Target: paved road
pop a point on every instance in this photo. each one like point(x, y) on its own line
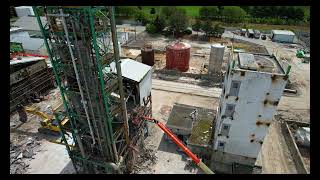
point(270, 46)
point(185, 88)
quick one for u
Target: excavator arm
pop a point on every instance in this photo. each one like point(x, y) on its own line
point(45, 117)
point(199, 163)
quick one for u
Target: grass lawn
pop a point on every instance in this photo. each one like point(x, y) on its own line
point(192, 11)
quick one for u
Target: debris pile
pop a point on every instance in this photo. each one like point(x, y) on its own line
point(146, 158)
point(20, 153)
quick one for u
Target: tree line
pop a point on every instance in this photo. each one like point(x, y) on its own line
point(174, 20)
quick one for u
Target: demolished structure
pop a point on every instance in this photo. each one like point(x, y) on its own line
point(97, 101)
point(253, 86)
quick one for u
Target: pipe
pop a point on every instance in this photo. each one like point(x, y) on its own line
point(117, 58)
point(288, 70)
point(77, 75)
point(87, 89)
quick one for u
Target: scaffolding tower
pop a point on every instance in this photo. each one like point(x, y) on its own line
point(81, 42)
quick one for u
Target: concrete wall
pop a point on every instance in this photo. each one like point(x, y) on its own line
point(145, 86)
point(255, 106)
point(222, 162)
point(200, 151)
point(293, 148)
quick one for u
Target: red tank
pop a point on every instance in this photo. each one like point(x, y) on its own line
point(178, 56)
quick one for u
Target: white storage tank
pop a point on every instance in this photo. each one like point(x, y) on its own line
point(216, 58)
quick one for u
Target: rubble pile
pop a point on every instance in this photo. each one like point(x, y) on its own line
point(146, 158)
point(20, 153)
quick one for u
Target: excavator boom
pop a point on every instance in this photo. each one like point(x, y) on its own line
point(199, 163)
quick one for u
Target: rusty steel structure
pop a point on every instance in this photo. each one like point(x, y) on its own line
point(82, 43)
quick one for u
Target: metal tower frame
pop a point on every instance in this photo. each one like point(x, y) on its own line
point(78, 40)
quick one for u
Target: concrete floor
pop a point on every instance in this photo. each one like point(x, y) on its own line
point(169, 160)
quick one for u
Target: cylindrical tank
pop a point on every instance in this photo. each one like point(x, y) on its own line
point(178, 56)
point(147, 54)
point(216, 58)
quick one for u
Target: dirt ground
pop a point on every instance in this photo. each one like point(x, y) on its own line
point(47, 157)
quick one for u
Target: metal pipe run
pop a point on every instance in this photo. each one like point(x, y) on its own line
point(117, 59)
point(77, 75)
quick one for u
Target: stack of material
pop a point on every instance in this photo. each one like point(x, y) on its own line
point(29, 78)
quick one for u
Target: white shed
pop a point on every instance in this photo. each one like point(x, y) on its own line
point(282, 36)
point(138, 72)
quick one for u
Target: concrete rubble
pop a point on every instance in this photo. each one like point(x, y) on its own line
point(20, 153)
point(146, 158)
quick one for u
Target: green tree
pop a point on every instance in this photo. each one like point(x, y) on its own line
point(126, 11)
point(178, 21)
point(208, 12)
point(233, 13)
point(197, 26)
point(152, 11)
point(142, 17)
point(207, 28)
point(159, 23)
point(151, 28)
point(167, 11)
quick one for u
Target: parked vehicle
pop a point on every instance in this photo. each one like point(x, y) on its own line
point(257, 34)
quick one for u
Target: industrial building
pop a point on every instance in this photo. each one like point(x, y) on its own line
point(282, 36)
point(30, 45)
point(30, 25)
point(252, 89)
point(22, 11)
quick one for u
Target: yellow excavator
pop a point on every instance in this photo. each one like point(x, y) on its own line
point(49, 124)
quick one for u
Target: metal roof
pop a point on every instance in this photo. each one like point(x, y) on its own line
point(15, 29)
point(180, 118)
point(250, 31)
point(132, 69)
point(32, 44)
point(284, 32)
point(29, 23)
point(179, 45)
